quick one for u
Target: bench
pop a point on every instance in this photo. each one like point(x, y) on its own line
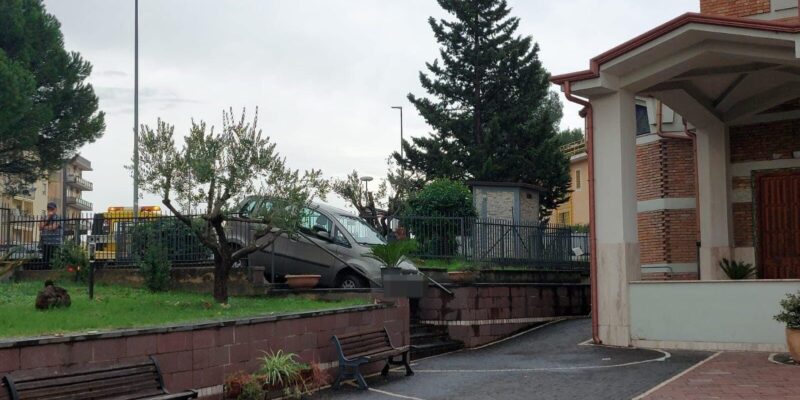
point(356, 349)
point(128, 381)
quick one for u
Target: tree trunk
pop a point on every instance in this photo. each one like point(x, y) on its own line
point(222, 267)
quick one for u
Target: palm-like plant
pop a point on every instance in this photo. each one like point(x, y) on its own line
point(283, 370)
point(737, 269)
point(392, 254)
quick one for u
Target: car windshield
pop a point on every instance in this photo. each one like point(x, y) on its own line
point(362, 232)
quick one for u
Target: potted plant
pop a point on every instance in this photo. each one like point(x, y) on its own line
point(791, 317)
point(737, 270)
point(302, 281)
point(398, 282)
point(235, 384)
point(467, 273)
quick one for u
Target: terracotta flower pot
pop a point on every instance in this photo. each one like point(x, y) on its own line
point(302, 281)
point(793, 342)
point(462, 276)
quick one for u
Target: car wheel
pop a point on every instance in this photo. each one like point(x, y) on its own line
point(350, 281)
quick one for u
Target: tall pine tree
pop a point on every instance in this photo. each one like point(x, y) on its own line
point(493, 115)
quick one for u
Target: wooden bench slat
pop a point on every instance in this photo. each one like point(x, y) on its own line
point(344, 338)
point(94, 393)
point(358, 345)
point(124, 381)
point(374, 348)
point(146, 379)
point(361, 339)
point(20, 377)
point(58, 380)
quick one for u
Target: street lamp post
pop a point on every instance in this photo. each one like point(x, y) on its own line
point(401, 128)
point(136, 111)
point(366, 180)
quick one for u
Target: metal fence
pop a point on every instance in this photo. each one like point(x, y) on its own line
point(497, 241)
point(114, 242)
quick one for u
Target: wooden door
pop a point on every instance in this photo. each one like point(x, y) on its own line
point(778, 219)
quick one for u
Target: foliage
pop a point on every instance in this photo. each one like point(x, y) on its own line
point(217, 170)
point(380, 205)
point(177, 238)
point(568, 136)
point(433, 215)
point(47, 109)
point(283, 370)
point(117, 307)
point(252, 390)
point(442, 198)
point(71, 259)
point(155, 267)
point(580, 228)
point(394, 253)
point(493, 115)
point(737, 269)
point(791, 311)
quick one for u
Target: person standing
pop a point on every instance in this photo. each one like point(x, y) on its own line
point(50, 233)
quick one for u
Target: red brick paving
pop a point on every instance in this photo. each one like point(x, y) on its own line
point(734, 375)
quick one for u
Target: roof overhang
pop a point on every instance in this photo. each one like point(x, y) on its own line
point(727, 69)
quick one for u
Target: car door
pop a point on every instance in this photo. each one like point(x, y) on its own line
point(308, 253)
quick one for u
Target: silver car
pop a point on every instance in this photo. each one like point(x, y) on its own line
point(331, 243)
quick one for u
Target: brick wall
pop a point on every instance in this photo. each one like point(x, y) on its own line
point(200, 356)
point(761, 141)
point(665, 169)
point(743, 224)
point(482, 313)
point(734, 8)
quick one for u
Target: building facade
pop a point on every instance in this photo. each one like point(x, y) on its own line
point(575, 211)
point(717, 176)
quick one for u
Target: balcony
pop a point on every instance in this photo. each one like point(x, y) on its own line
point(79, 203)
point(81, 163)
point(79, 183)
point(574, 148)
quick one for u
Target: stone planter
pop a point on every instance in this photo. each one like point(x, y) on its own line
point(302, 281)
point(400, 283)
point(462, 277)
point(793, 342)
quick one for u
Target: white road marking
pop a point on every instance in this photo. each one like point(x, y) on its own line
point(399, 396)
point(674, 378)
point(665, 356)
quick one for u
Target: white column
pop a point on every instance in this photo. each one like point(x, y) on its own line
point(615, 212)
point(716, 238)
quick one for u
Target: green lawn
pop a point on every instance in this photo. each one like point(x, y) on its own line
point(124, 307)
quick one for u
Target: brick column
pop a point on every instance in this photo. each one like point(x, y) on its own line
point(715, 211)
point(615, 217)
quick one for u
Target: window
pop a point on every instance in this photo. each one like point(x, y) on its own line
point(340, 239)
point(642, 120)
point(362, 232)
point(248, 207)
point(563, 218)
point(577, 179)
point(313, 221)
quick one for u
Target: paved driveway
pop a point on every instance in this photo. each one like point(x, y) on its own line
point(547, 363)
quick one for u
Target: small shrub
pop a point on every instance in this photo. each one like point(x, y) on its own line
point(392, 254)
point(737, 270)
point(252, 390)
point(283, 371)
point(155, 267)
point(71, 259)
point(791, 311)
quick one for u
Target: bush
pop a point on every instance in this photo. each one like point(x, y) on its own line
point(434, 216)
point(737, 270)
point(283, 371)
point(71, 259)
point(791, 311)
point(177, 239)
point(155, 267)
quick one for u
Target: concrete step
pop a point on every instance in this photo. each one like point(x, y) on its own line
point(434, 348)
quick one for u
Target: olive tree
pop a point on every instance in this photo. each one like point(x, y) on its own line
point(214, 170)
point(378, 207)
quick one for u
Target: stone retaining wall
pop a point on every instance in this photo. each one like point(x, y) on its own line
point(482, 313)
point(199, 356)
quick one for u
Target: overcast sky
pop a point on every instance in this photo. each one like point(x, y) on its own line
point(323, 73)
